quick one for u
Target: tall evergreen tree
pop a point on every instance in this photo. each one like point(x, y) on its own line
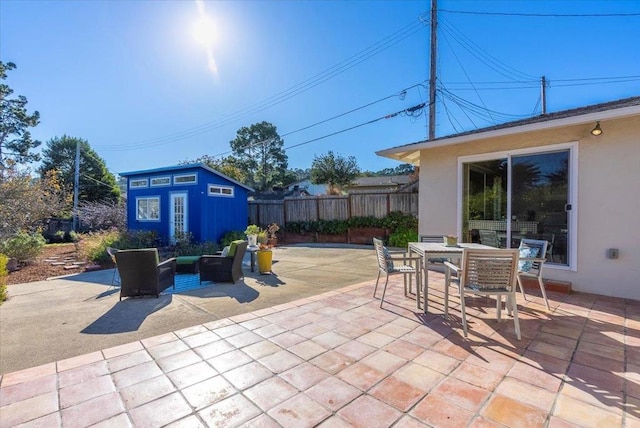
point(96, 182)
point(16, 144)
point(258, 150)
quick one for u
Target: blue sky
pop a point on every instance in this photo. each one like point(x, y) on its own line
point(129, 76)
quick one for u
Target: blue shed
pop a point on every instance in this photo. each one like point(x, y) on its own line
point(192, 198)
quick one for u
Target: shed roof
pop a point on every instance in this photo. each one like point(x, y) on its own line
point(182, 168)
point(589, 114)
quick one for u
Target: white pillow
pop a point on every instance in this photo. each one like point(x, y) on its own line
point(225, 251)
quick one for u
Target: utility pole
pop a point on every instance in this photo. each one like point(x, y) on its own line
point(543, 94)
point(432, 70)
point(76, 187)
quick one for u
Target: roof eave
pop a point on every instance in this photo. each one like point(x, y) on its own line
point(410, 153)
point(186, 166)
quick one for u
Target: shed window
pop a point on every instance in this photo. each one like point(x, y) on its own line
point(138, 183)
point(148, 209)
point(160, 181)
point(217, 190)
point(184, 179)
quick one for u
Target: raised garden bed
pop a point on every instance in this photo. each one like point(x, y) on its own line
point(340, 238)
point(298, 238)
point(365, 235)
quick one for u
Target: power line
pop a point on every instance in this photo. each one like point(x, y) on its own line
point(466, 74)
point(536, 84)
point(280, 97)
point(489, 82)
point(481, 54)
point(414, 111)
point(397, 94)
point(544, 15)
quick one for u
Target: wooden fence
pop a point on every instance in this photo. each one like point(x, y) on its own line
point(314, 208)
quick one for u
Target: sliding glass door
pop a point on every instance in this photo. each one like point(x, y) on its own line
point(519, 196)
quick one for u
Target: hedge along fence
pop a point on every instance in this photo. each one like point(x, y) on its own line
point(320, 208)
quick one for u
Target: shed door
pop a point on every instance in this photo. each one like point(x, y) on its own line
point(178, 216)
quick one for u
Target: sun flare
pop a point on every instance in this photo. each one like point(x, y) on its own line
point(204, 31)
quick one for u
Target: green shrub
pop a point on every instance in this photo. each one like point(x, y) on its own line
point(301, 226)
point(365, 222)
point(4, 294)
point(232, 235)
point(184, 246)
point(401, 237)
point(95, 244)
point(332, 227)
point(24, 247)
point(397, 220)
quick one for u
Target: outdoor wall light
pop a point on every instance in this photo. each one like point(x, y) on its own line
point(597, 130)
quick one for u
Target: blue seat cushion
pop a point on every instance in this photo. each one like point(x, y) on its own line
point(527, 253)
point(387, 257)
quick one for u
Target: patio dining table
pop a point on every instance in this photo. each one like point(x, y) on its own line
point(432, 250)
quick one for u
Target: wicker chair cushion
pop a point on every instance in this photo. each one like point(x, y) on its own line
point(232, 247)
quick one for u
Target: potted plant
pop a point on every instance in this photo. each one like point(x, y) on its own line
point(265, 258)
point(272, 229)
point(252, 231)
point(450, 240)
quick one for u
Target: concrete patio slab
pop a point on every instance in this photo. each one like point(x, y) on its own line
point(336, 358)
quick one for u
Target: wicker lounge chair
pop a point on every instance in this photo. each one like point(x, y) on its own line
point(219, 268)
point(141, 274)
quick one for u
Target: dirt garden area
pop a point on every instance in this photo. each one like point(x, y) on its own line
point(45, 267)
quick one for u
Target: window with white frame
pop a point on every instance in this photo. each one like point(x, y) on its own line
point(160, 181)
point(148, 209)
point(138, 183)
point(218, 190)
point(184, 179)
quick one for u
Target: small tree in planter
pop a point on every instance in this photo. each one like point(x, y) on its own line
point(252, 231)
point(272, 229)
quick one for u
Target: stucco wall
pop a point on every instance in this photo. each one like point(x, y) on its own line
point(608, 199)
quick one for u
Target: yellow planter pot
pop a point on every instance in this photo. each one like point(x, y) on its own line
point(265, 258)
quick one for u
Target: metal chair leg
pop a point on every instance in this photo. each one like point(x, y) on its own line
point(376, 287)
point(544, 292)
point(521, 288)
point(384, 290)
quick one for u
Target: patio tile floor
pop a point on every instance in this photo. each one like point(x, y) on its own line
point(338, 359)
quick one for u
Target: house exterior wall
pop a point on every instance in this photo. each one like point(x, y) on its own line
point(208, 217)
point(608, 199)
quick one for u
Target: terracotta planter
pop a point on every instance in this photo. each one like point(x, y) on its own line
point(365, 235)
